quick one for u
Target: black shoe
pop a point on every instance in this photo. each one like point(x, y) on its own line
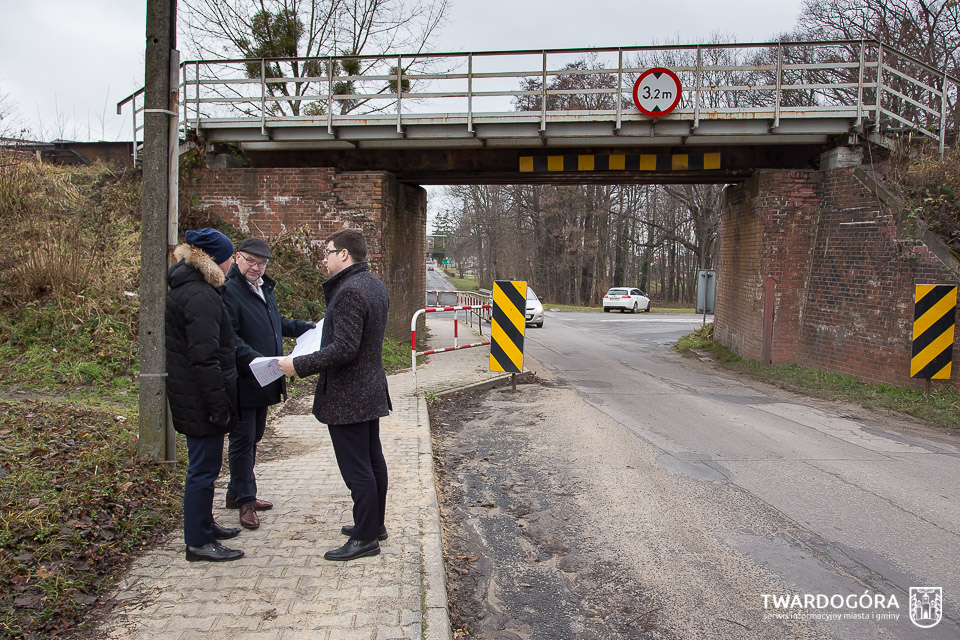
point(354, 549)
point(225, 533)
point(212, 552)
point(347, 530)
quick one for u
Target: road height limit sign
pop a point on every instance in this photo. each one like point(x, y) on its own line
point(657, 91)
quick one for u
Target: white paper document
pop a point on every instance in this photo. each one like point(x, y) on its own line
point(267, 369)
point(309, 341)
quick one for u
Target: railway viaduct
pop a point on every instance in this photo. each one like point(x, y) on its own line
point(817, 262)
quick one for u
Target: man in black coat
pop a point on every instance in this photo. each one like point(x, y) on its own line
point(259, 330)
point(352, 393)
point(201, 381)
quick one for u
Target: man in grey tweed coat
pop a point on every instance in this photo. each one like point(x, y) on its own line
point(352, 394)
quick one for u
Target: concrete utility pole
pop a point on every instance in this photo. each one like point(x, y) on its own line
point(160, 116)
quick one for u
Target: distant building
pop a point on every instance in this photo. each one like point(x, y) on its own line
point(67, 152)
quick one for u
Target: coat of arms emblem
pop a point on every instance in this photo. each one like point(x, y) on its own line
point(926, 606)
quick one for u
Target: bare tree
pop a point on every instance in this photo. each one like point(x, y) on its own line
point(928, 30)
point(573, 77)
point(11, 123)
point(702, 204)
point(296, 39)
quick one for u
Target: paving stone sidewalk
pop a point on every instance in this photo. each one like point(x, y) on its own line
point(283, 588)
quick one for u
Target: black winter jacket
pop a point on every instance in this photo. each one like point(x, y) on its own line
point(352, 386)
point(201, 354)
point(259, 330)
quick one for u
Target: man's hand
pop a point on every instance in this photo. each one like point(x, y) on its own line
point(221, 420)
point(286, 365)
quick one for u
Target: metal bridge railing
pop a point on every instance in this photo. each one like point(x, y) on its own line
point(874, 86)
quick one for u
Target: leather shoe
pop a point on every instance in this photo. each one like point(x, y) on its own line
point(262, 505)
point(225, 533)
point(248, 516)
point(353, 549)
point(212, 552)
point(347, 530)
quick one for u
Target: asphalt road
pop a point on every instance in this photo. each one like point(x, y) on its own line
point(436, 281)
point(753, 496)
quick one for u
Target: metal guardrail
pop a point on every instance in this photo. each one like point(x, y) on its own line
point(476, 303)
point(579, 95)
point(456, 334)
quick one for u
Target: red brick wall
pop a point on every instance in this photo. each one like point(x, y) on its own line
point(264, 202)
point(859, 318)
point(846, 272)
point(405, 241)
point(788, 208)
point(738, 318)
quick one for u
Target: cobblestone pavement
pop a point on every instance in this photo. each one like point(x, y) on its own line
point(283, 588)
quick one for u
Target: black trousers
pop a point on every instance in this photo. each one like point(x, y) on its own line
point(206, 457)
point(242, 454)
point(364, 470)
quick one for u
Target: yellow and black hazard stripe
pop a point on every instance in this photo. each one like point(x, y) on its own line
point(934, 319)
point(508, 323)
point(621, 162)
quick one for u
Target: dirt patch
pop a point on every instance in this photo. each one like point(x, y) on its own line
point(275, 446)
point(524, 558)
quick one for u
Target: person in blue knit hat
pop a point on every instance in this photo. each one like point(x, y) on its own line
point(202, 381)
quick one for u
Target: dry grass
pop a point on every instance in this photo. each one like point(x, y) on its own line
point(930, 186)
point(73, 234)
point(68, 276)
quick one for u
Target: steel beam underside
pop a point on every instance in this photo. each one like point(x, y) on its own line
point(501, 165)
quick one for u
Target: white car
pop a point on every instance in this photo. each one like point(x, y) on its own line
point(534, 309)
point(626, 299)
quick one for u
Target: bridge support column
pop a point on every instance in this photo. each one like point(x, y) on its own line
point(768, 227)
point(845, 259)
point(392, 215)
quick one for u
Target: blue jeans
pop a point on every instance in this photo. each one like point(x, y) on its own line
point(360, 458)
point(206, 456)
point(242, 454)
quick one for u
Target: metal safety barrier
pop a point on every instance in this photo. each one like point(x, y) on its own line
point(755, 90)
point(473, 301)
point(456, 338)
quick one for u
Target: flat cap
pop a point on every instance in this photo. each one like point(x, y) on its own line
point(257, 247)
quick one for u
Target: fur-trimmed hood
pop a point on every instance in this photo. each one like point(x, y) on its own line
point(201, 348)
point(188, 254)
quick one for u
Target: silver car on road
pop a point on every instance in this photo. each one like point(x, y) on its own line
point(534, 309)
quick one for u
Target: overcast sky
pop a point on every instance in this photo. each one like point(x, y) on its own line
point(65, 64)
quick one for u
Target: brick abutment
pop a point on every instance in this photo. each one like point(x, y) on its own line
point(844, 268)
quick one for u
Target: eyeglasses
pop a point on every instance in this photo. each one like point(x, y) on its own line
point(255, 263)
point(327, 252)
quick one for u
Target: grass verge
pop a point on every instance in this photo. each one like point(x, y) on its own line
point(940, 407)
point(461, 284)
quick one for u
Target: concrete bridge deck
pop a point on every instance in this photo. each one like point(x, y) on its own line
point(446, 118)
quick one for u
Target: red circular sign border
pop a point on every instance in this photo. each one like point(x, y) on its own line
point(636, 86)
